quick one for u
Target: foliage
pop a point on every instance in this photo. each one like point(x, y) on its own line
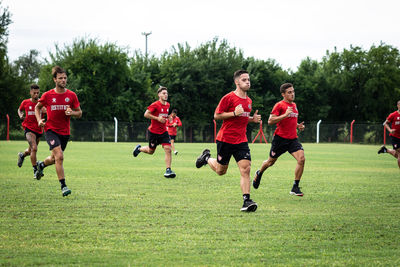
point(28, 66)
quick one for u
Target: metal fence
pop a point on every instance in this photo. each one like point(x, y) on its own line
point(104, 131)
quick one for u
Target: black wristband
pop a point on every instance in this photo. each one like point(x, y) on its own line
point(234, 114)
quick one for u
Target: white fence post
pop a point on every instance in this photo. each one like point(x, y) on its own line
point(116, 129)
point(318, 123)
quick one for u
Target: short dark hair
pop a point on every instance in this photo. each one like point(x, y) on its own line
point(162, 88)
point(34, 86)
point(284, 87)
point(174, 111)
point(56, 70)
point(238, 73)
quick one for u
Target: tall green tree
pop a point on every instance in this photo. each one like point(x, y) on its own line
point(28, 66)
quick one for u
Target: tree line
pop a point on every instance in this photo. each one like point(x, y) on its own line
point(344, 85)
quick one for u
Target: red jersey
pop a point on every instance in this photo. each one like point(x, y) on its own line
point(30, 121)
point(286, 128)
point(56, 105)
point(173, 130)
point(159, 110)
point(233, 130)
point(394, 119)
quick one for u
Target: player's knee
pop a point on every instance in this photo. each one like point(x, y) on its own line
point(167, 149)
point(269, 163)
point(34, 149)
point(151, 151)
point(301, 161)
point(221, 172)
point(58, 156)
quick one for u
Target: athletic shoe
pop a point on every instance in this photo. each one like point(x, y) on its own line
point(383, 149)
point(136, 151)
point(249, 206)
point(176, 152)
point(169, 173)
point(20, 159)
point(296, 191)
point(202, 159)
point(65, 191)
point(257, 179)
point(39, 172)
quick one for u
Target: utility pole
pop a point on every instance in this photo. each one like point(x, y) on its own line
point(146, 34)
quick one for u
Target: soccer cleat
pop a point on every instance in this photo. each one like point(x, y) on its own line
point(296, 191)
point(176, 152)
point(383, 149)
point(249, 206)
point(39, 172)
point(169, 173)
point(65, 191)
point(202, 159)
point(136, 151)
point(20, 159)
point(257, 179)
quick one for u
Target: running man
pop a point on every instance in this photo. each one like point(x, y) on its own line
point(234, 109)
point(173, 123)
point(394, 132)
point(32, 131)
point(61, 104)
point(284, 115)
point(157, 112)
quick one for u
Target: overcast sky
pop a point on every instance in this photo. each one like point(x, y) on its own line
point(285, 30)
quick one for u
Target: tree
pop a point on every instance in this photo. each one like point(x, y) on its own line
point(28, 66)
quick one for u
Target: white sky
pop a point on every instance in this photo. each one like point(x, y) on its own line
point(285, 30)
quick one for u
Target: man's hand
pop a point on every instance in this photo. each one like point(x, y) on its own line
point(288, 111)
point(161, 119)
point(301, 126)
point(68, 111)
point(41, 123)
point(256, 117)
point(239, 110)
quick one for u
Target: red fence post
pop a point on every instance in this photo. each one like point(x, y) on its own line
point(351, 131)
point(384, 135)
point(8, 127)
point(215, 131)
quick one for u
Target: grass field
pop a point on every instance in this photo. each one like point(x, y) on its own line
point(123, 212)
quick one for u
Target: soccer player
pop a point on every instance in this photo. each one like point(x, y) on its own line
point(157, 112)
point(61, 104)
point(234, 109)
point(394, 132)
point(172, 123)
point(32, 131)
point(284, 115)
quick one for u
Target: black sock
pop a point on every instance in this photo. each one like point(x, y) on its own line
point(168, 169)
point(42, 165)
point(296, 183)
point(62, 182)
point(34, 168)
point(246, 197)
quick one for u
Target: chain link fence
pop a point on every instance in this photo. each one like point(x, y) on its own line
point(104, 131)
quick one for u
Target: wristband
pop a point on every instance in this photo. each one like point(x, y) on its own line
point(234, 114)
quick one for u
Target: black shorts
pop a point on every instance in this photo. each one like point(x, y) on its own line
point(27, 130)
point(173, 137)
point(281, 145)
point(158, 139)
point(226, 150)
point(395, 142)
point(54, 140)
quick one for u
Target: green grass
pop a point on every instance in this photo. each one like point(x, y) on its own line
point(123, 212)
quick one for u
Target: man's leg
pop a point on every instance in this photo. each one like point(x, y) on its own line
point(264, 166)
point(216, 167)
point(168, 159)
point(298, 172)
point(172, 144)
point(244, 168)
point(32, 140)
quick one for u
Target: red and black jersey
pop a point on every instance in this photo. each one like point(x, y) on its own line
point(233, 130)
point(30, 121)
point(286, 128)
point(159, 110)
point(173, 130)
point(56, 105)
point(394, 119)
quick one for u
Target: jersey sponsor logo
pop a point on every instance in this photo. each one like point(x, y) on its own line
point(245, 114)
point(31, 113)
point(53, 100)
point(294, 115)
point(397, 123)
point(67, 99)
point(165, 115)
point(58, 107)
